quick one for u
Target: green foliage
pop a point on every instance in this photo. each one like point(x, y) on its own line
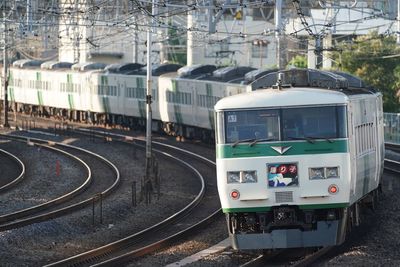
point(366, 57)
point(298, 62)
point(176, 39)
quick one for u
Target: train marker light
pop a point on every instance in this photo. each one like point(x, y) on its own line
point(333, 189)
point(235, 194)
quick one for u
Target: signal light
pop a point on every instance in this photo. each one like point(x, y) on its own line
point(333, 189)
point(235, 194)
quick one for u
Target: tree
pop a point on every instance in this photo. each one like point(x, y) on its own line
point(367, 58)
point(298, 61)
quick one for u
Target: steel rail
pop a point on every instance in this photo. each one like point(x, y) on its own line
point(52, 203)
point(65, 210)
point(19, 178)
point(105, 250)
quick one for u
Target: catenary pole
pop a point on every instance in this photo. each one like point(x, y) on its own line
point(148, 90)
point(5, 68)
point(278, 23)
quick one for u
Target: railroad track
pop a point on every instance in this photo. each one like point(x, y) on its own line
point(201, 211)
point(51, 209)
point(13, 180)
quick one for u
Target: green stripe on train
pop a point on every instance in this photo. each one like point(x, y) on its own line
point(10, 88)
point(142, 109)
point(40, 98)
point(11, 95)
point(104, 99)
point(106, 104)
point(302, 207)
point(71, 102)
point(296, 148)
point(210, 111)
point(177, 108)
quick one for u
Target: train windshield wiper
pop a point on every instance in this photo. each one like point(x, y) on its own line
point(328, 139)
point(261, 140)
point(243, 141)
point(308, 139)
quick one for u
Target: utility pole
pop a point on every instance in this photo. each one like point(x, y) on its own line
point(5, 67)
point(148, 91)
point(278, 23)
point(398, 22)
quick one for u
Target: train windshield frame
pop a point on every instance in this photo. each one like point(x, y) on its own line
point(283, 124)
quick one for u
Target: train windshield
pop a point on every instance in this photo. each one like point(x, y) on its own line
point(286, 124)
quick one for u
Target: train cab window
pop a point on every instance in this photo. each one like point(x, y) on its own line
point(313, 122)
point(251, 125)
point(287, 124)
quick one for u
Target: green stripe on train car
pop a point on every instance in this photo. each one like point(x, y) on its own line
point(140, 82)
point(11, 95)
point(210, 109)
point(40, 98)
point(178, 114)
point(303, 207)
point(174, 86)
point(38, 76)
point(71, 102)
point(10, 88)
point(106, 104)
point(142, 109)
point(296, 148)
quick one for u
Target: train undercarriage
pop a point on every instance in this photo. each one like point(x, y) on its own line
point(181, 132)
point(288, 226)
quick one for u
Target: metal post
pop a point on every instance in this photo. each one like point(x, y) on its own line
point(5, 67)
point(278, 22)
point(398, 22)
point(148, 91)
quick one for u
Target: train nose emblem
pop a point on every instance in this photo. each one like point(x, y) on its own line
point(281, 149)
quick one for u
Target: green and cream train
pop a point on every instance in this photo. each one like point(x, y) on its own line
point(298, 159)
point(183, 98)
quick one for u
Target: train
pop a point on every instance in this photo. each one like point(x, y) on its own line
point(298, 159)
point(183, 97)
point(299, 152)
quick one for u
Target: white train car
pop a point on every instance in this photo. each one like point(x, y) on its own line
point(297, 161)
point(187, 98)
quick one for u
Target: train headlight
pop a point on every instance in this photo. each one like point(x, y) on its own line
point(332, 172)
point(233, 177)
point(248, 177)
point(316, 173)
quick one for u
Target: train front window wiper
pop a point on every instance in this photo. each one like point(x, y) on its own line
point(308, 139)
point(242, 141)
point(328, 139)
point(261, 140)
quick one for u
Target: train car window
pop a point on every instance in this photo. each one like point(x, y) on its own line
point(252, 125)
point(313, 122)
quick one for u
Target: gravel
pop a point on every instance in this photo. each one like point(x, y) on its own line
point(53, 240)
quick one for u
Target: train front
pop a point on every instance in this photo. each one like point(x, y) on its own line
point(283, 167)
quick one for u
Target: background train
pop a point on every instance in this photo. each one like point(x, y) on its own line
point(183, 97)
point(298, 160)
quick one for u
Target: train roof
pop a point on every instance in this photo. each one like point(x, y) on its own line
point(196, 71)
point(85, 66)
point(282, 98)
point(25, 63)
point(52, 65)
point(158, 70)
point(345, 82)
point(124, 68)
point(228, 74)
